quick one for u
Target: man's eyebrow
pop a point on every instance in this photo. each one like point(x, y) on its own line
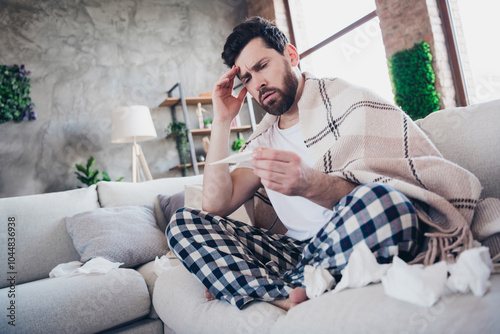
point(244, 76)
point(254, 68)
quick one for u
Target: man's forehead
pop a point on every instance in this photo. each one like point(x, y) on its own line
point(252, 53)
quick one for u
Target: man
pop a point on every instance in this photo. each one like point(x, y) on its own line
point(340, 167)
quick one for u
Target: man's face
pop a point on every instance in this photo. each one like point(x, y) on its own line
point(268, 77)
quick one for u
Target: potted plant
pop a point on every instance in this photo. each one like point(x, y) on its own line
point(89, 176)
point(238, 144)
point(177, 130)
point(208, 123)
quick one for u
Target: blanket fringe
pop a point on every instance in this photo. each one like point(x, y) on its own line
point(445, 248)
point(443, 245)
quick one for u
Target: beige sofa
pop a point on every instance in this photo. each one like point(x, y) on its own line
point(116, 302)
point(136, 300)
point(468, 136)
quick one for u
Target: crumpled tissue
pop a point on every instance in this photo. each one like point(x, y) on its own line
point(97, 265)
point(471, 271)
point(317, 281)
point(65, 269)
point(361, 270)
point(161, 264)
point(415, 283)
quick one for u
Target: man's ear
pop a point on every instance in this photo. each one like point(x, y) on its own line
point(292, 54)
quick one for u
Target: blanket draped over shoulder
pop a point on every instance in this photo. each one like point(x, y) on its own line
point(353, 134)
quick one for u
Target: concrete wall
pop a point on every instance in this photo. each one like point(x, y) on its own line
point(88, 57)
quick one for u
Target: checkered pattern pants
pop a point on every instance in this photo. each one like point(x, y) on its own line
point(241, 263)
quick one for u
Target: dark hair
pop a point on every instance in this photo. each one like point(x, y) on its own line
point(252, 28)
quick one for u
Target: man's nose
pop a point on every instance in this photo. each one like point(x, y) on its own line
point(259, 82)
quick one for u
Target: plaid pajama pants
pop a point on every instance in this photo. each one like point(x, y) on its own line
point(240, 263)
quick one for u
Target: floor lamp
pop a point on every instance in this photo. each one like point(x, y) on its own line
point(133, 124)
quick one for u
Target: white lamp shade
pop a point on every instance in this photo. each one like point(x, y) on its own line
point(133, 123)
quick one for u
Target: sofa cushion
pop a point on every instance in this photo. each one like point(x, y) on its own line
point(368, 309)
point(113, 194)
point(469, 137)
point(126, 234)
point(168, 205)
point(79, 304)
point(146, 325)
point(41, 239)
point(179, 300)
point(149, 275)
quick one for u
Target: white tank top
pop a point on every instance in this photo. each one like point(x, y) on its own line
point(302, 218)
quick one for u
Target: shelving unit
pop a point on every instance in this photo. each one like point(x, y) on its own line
point(172, 102)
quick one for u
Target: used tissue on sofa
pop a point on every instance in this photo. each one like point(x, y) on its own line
point(362, 269)
point(97, 265)
point(317, 281)
point(472, 271)
point(65, 269)
point(415, 283)
point(161, 264)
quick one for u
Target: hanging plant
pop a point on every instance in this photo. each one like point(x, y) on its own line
point(15, 101)
point(413, 81)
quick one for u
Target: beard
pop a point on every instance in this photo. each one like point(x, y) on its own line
point(284, 98)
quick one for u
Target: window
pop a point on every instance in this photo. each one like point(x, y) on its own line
point(357, 56)
point(476, 27)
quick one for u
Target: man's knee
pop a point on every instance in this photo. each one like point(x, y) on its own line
point(382, 207)
point(386, 197)
point(392, 208)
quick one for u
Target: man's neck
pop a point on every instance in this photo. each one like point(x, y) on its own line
point(291, 117)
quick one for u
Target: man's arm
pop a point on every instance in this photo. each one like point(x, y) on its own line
point(284, 172)
point(224, 192)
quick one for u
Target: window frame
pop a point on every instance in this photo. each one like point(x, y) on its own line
point(453, 53)
point(462, 98)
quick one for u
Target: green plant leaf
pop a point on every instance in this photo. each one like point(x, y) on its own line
point(90, 163)
point(105, 176)
point(82, 178)
point(81, 169)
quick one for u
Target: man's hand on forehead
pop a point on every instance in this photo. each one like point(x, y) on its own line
point(227, 106)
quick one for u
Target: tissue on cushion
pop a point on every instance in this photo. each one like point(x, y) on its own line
point(415, 283)
point(471, 271)
point(121, 234)
point(168, 205)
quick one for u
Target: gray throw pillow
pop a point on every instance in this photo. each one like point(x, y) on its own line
point(170, 204)
point(127, 234)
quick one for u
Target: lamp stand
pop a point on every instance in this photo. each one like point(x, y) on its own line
point(137, 156)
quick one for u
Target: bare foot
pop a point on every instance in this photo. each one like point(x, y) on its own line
point(297, 296)
point(208, 295)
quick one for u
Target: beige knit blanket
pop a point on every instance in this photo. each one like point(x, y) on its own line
point(354, 134)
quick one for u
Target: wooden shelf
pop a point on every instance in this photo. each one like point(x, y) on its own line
point(183, 102)
point(181, 166)
point(201, 132)
point(190, 101)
